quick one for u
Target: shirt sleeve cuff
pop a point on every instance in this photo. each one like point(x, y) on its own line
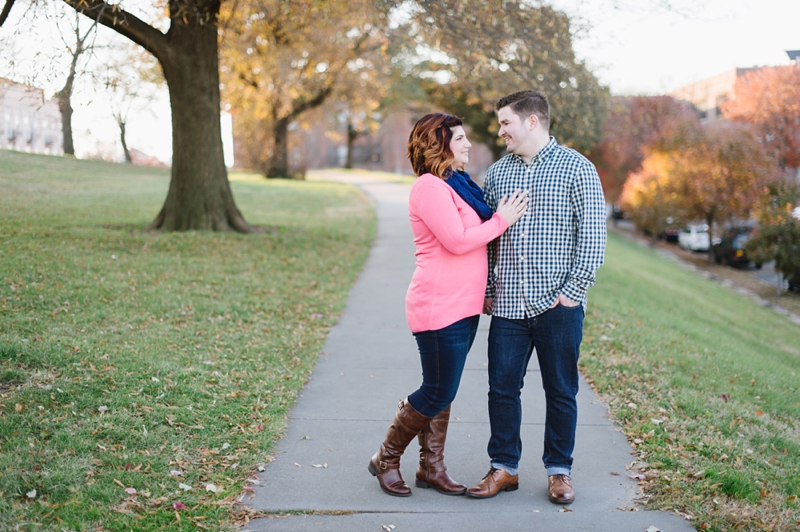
point(576, 294)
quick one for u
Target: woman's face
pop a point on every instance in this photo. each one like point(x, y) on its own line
point(459, 145)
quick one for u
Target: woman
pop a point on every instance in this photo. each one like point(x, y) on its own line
point(452, 224)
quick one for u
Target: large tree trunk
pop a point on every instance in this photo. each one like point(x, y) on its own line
point(121, 124)
point(65, 107)
point(279, 162)
point(199, 194)
point(352, 135)
point(710, 222)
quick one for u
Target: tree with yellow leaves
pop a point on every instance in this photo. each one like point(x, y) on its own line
point(288, 58)
point(713, 174)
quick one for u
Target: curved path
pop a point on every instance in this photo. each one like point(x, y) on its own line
point(369, 362)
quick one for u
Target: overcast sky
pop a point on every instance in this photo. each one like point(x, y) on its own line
point(644, 48)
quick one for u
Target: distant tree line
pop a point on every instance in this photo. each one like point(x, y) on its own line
point(277, 59)
point(657, 161)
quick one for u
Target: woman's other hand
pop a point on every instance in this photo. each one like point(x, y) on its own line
point(512, 208)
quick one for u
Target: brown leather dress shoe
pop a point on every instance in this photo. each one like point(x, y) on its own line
point(495, 481)
point(560, 489)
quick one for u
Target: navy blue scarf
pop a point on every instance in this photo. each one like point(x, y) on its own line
point(470, 192)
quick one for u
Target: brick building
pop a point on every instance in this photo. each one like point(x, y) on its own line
point(383, 150)
point(29, 122)
point(707, 94)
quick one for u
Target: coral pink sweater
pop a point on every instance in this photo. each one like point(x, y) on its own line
point(450, 279)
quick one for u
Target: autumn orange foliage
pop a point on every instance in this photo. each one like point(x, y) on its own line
point(769, 98)
point(714, 176)
point(634, 124)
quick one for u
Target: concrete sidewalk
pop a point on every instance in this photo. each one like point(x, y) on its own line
point(369, 363)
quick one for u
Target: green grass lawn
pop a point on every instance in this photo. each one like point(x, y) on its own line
point(145, 376)
point(705, 383)
point(166, 363)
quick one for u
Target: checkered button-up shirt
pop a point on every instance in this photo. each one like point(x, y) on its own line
point(558, 244)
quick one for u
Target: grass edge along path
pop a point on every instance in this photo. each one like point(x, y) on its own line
point(704, 383)
point(145, 376)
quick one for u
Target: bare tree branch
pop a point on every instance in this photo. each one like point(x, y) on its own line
point(125, 24)
point(6, 11)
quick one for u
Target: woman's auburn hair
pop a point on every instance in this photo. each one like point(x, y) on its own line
point(429, 144)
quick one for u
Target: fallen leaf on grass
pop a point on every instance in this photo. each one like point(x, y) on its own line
point(211, 487)
point(176, 473)
point(102, 408)
point(179, 506)
point(31, 494)
point(184, 487)
point(130, 491)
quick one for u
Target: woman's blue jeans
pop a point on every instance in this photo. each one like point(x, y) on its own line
point(556, 334)
point(443, 353)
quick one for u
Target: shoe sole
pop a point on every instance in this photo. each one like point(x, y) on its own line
point(554, 501)
point(512, 487)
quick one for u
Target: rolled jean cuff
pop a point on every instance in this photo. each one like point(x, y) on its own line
point(510, 470)
point(558, 471)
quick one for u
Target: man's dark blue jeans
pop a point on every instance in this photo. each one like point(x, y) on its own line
point(556, 334)
point(443, 353)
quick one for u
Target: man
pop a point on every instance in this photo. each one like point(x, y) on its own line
point(539, 271)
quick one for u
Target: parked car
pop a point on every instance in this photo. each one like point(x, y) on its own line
point(730, 248)
point(794, 282)
point(694, 238)
point(617, 213)
point(672, 228)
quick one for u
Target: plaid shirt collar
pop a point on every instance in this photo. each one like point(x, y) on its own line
point(543, 155)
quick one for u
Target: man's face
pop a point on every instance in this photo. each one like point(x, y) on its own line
point(513, 129)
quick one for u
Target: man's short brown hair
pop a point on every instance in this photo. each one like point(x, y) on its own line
point(527, 103)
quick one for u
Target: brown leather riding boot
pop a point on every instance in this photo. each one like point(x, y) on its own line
point(432, 472)
point(385, 464)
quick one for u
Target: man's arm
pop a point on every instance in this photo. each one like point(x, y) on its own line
point(589, 206)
